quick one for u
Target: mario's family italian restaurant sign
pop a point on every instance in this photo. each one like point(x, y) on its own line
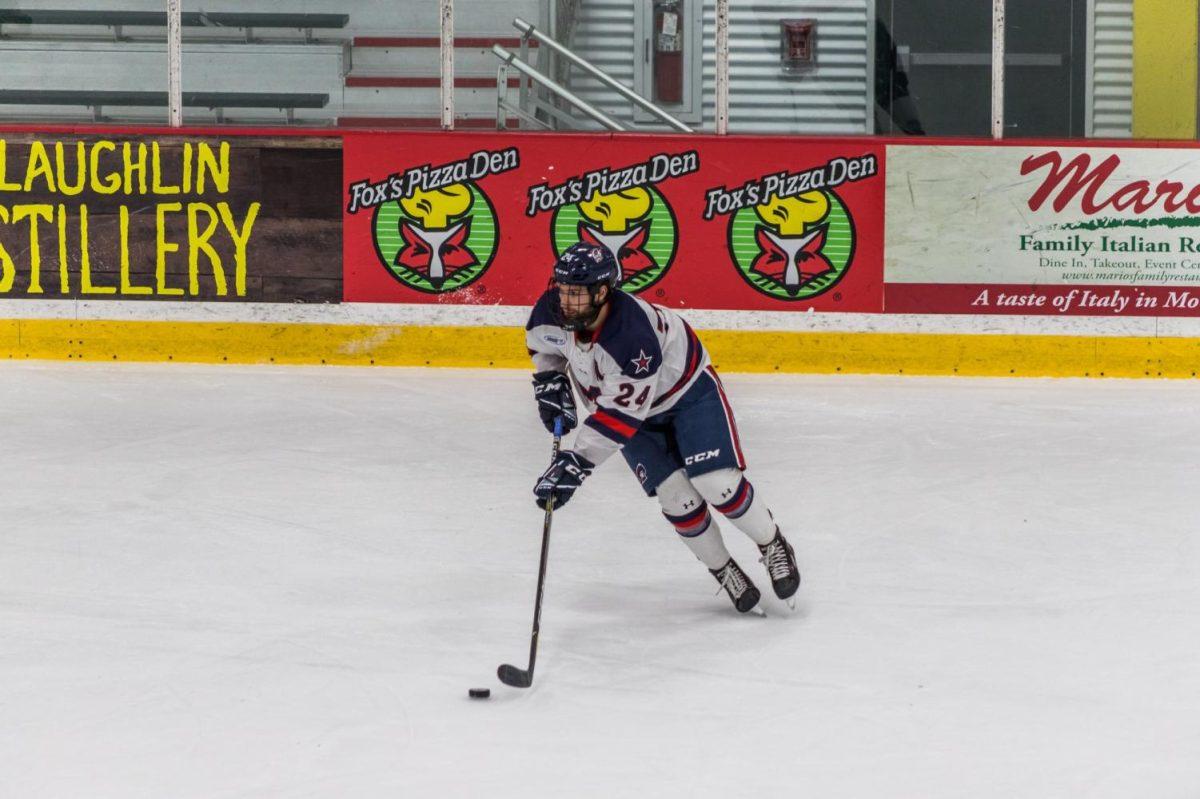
point(1043, 230)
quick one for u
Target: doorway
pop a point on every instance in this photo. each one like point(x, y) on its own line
point(933, 67)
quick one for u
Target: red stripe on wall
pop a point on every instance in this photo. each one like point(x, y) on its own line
point(422, 82)
point(434, 41)
point(415, 122)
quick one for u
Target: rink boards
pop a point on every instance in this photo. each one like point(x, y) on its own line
point(793, 255)
point(408, 336)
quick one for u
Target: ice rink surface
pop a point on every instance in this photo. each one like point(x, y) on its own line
point(280, 582)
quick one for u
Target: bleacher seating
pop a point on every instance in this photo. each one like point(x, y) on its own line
point(375, 61)
point(120, 19)
point(66, 71)
point(288, 102)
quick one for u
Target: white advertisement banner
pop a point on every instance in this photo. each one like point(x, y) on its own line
point(1042, 229)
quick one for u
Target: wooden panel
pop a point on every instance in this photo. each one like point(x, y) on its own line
point(180, 243)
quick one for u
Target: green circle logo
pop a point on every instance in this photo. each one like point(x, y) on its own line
point(437, 241)
point(794, 248)
point(636, 225)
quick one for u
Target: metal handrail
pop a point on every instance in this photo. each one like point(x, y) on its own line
point(511, 60)
point(503, 106)
point(528, 30)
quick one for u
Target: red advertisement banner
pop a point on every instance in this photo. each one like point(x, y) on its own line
point(1023, 300)
point(760, 223)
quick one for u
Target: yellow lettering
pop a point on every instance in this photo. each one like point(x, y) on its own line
point(162, 246)
point(134, 166)
point(4, 184)
point(39, 164)
point(33, 213)
point(7, 270)
point(64, 279)
point(85, 263)
point(80, 163)
point(127, 286)
point(208, 163)
point(113, 183)
point(198, 241)
point(156, 162)
point(187, 167)
point(240, 240)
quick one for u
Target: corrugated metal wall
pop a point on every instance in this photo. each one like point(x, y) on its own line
point(834, 99)
point(1110, 72)
point(604, 35)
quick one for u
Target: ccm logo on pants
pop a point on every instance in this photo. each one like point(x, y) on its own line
point(701, 456)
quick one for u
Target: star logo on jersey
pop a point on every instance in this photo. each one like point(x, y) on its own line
point(793, 248)
point(642, 362)
point(636, 225)
point(437, 241)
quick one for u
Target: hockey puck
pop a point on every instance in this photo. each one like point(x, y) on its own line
point(479, 693)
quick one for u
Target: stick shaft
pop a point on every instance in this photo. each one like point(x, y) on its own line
point(541, 583)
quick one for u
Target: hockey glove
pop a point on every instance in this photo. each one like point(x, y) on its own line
point(561, 479)
point(552, 390)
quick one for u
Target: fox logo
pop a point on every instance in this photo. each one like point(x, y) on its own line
point(636, 225)
point(793, 248)
point(437, 241)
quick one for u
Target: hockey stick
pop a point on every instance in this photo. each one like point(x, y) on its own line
point(509, 674)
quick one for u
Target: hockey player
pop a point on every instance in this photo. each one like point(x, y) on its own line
point(652, 393)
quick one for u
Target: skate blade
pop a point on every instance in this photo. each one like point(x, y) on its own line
point(757, 610)
point(791, 603)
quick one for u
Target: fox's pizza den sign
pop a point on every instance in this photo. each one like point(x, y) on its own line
point(779, 224)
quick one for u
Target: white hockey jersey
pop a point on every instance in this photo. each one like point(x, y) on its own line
point(637, 364)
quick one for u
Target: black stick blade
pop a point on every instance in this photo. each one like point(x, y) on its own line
point(517, 678)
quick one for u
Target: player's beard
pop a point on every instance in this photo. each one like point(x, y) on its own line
point(580, 319)
point(577, 320)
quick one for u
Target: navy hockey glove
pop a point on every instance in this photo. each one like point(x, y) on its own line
point(552, 390)
point(561, 479)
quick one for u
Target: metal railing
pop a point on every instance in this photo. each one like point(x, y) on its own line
point(532, 108)
point(504, 106)
point(563, 21)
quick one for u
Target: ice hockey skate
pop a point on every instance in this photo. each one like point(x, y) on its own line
point(741, 590)
point(780, 561)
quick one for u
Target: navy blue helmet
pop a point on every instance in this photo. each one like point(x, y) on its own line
point(586, 265)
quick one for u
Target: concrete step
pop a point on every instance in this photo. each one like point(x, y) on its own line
point(406, 100)
point(472, 54)
point(401, 81)
point(428, 121)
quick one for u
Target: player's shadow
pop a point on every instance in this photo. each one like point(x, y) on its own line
point(653, 629)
